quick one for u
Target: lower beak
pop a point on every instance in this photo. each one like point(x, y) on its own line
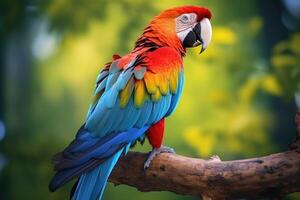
point(193, 38)
point(199, 40)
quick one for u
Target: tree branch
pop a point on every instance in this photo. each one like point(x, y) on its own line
point(271, 176)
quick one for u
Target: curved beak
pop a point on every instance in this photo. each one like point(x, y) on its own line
point(200, 34)
point(206, 33)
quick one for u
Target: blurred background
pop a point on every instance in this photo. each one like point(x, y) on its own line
point(239, 98)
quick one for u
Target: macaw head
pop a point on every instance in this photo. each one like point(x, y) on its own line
point(181, 28)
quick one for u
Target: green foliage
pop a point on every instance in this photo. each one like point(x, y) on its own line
point(286, 61)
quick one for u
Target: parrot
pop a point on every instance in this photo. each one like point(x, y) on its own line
point(134, 94)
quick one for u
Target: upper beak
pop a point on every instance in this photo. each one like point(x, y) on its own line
point(205, 34)
point(200, 34)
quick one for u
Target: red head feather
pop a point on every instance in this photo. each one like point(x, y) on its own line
point(175, 12)
point(161, 30)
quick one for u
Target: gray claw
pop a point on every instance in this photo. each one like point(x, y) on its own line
point(155, 152)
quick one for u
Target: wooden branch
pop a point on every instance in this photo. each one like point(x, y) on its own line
point(271, 176)
point(274, 175)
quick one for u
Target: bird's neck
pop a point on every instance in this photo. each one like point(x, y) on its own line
point(152, 39)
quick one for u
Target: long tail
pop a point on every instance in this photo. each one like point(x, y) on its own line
point(92, 160)
point(92, 184)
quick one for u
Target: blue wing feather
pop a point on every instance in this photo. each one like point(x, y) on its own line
point(176, 96)
point(102, 75)
point(145, 114)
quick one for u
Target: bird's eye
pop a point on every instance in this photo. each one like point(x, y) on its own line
point(184, 19)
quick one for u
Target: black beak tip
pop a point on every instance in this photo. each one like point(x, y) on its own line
point(202, 49)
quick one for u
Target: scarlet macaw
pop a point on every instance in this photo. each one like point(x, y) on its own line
point(133, 96)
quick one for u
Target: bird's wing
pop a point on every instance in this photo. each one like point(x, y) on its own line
point(137, 93)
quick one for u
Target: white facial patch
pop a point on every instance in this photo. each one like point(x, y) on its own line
point(182, 34)
point(184, 24)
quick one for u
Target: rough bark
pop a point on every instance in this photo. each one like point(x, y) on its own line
point(271, 176)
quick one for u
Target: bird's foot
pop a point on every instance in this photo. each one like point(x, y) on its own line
point(155, 152)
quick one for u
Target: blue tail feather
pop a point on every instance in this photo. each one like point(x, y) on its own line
point(92, 184)
point(92, 160)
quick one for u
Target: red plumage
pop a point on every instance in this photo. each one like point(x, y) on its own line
point(174, 12)
point(155, 133)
